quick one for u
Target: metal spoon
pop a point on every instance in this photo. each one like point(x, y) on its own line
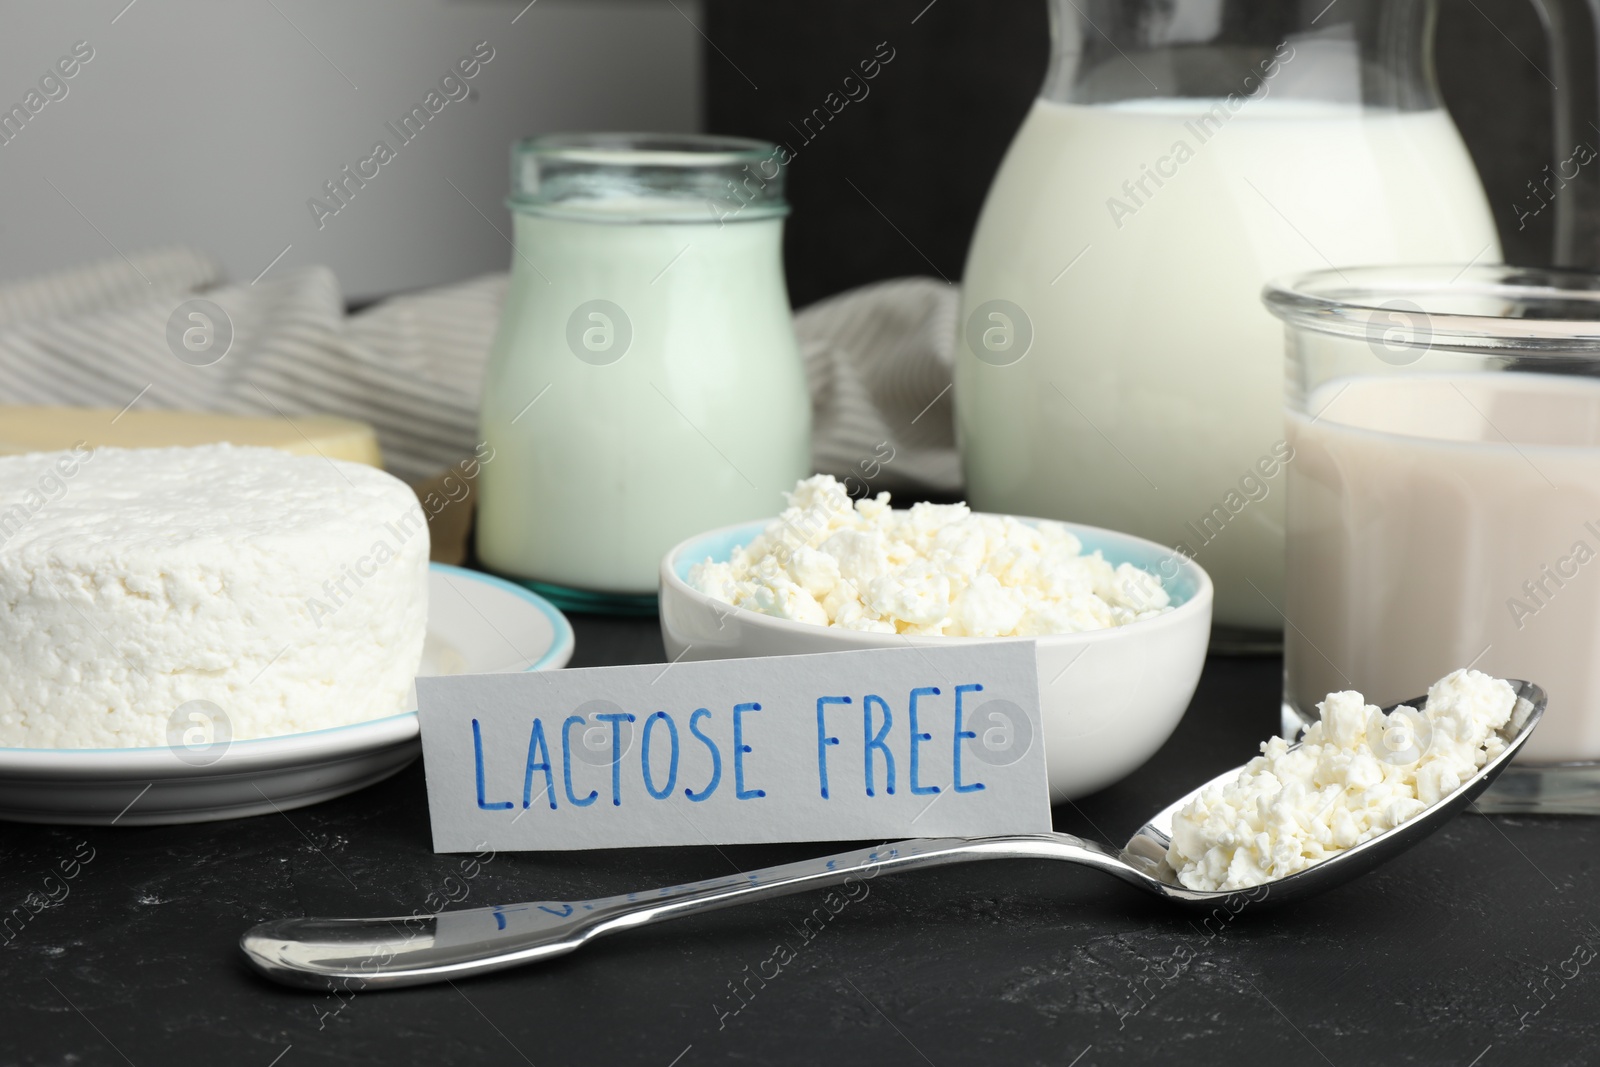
point(402, 951)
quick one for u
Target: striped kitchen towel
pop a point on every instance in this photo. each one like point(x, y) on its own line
point(877, 359)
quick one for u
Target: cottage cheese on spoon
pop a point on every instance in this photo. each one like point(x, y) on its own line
point(1356, 773)
point(935, 569)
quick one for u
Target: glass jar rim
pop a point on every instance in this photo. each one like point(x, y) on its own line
point(648, 149)
point(1549, 311)
point(606, 177)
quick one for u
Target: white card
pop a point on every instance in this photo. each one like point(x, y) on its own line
point(786, 748)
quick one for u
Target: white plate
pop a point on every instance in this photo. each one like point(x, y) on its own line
point(477, 624)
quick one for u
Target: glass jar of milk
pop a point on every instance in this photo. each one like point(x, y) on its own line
point(1115, 365)
point(1444, 498)
point(645, 384)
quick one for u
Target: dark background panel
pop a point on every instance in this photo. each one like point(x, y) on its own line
point(892, 184)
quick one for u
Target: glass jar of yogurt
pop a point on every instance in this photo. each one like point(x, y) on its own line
point(645, 383)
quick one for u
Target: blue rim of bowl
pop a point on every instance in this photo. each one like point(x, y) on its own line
point(677, 562)
point(564, 639)
point(564, 642)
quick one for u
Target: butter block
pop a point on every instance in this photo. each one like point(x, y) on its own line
point(55, 429)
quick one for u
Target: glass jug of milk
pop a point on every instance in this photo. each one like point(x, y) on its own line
point(645, 383)
point(1116, 366)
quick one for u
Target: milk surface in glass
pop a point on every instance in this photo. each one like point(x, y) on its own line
point(1441, 520)
point(1153, 383)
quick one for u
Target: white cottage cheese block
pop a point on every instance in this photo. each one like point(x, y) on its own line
point(288, 591)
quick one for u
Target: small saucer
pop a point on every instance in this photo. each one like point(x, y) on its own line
point(591, 601)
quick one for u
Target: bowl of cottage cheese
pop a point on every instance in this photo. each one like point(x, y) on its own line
point(1121, 624)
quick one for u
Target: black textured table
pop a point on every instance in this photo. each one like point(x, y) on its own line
point(1480, 947)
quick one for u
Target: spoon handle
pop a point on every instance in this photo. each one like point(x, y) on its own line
point(356, 954)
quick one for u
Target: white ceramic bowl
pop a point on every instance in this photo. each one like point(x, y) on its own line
point(1109, 698)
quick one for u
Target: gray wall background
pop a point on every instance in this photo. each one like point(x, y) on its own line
point(211, 124)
